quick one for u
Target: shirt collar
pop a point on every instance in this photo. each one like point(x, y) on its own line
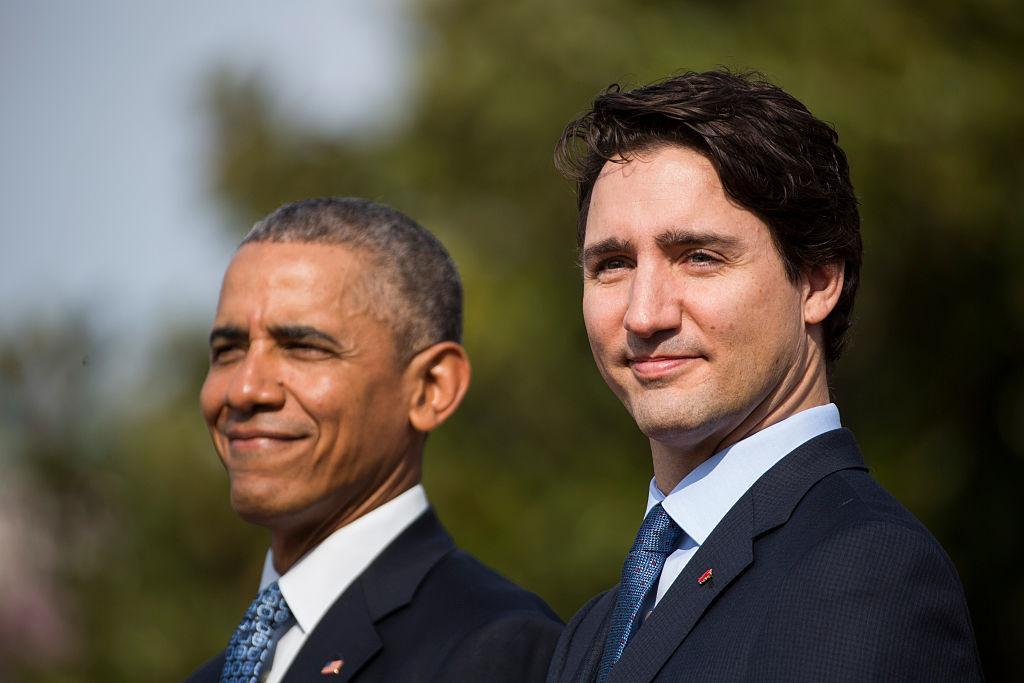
point(700, 501)
point(321, 575)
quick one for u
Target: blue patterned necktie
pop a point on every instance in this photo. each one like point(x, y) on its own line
point(656, 540)
point(246, 657)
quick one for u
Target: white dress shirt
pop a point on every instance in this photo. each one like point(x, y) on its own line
point(700, 501)
point(322, 575)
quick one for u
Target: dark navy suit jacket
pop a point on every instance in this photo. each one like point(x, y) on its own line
point(817, 573)
point(425, 611)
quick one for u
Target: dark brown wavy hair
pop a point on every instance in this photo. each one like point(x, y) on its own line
point(772, 155)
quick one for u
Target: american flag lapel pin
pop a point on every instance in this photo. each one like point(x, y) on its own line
point(705, 577)
point(332, 668)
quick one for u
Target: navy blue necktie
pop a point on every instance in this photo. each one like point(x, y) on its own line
point(656, 540)
point(246, 658)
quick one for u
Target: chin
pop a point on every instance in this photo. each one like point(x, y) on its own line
point(256, 502)
point(253, 511)
point(677, 433)
point(675, 421)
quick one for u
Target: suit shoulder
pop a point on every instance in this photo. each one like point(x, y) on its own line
point(852, 499)
point(874, 595)
point(870, 494)
point(496, 630)
point(470, 586)
point(853, 528)
point(510, 646)
point(879, 551)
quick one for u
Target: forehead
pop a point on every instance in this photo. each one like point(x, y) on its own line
point(664, 189)
point(286, 279)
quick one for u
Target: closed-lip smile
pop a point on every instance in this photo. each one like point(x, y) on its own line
point(245, 439)
point(243, 434)
point(658, 365)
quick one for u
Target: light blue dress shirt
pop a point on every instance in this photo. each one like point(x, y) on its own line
point(700, 501)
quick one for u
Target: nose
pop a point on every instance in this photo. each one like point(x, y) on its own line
point(652, 307)
point(256, 383)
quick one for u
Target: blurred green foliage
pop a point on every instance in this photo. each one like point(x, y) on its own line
point(933, 384)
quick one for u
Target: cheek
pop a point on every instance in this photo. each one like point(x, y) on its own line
point(211, 397)
point(342, 402)
point(602, 317)
point(756, 319)
point(781, 311)
point(325, 396)
point(722, 310)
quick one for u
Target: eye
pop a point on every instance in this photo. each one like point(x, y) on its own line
point(226, 353)
point(701, 258)
point(613, 263)
point(608, 266)
point(306, 351)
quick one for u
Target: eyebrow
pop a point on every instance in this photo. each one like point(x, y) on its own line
point(230, 333)
point(668, 238)
point(292, 333)
point(612, 245)
point(694, 238)
point(296, 333)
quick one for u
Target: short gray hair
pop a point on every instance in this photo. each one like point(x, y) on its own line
point(419, 278)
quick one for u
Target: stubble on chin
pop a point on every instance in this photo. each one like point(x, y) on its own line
point(662, 415)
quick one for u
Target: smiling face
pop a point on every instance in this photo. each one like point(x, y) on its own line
point(306, 400)
point(692, 319)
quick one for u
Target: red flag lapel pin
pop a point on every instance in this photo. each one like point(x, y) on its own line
point(333, 667)
point(705, 577)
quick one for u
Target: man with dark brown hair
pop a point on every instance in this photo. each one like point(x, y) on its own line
point(720, 243)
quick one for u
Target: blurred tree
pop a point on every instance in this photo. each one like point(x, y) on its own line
point(118, 538)
point(43, 385)
point(933, 384)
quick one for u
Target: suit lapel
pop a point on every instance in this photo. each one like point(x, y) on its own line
point(729, 550)
point(776, 494)
point(348, 630)
point(345, 632)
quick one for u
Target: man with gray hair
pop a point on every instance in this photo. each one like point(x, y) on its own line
point(334, 353)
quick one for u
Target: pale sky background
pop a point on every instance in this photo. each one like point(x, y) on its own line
point(103, 175)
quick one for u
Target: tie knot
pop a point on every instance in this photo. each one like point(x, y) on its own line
point(659, 533)
point(246, 657)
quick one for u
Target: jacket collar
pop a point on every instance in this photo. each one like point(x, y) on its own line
point(347, 630)
point(729, 550)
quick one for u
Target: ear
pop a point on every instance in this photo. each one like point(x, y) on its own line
point(822, 286)
point(440, 378)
